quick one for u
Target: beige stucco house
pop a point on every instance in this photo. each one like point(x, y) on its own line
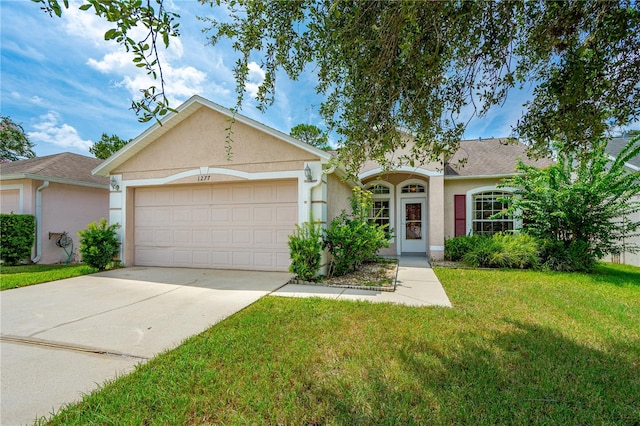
point(63, 195)
point(185, 200)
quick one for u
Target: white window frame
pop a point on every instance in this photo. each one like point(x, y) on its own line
point(517, 223)
point(388, 197)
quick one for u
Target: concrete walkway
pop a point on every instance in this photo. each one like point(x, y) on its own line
point(417, 285)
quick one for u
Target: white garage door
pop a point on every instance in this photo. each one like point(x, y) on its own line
point(229, 226)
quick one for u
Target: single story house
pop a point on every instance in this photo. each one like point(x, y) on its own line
point(63, 195)
point(187, 196)
point(614, 147)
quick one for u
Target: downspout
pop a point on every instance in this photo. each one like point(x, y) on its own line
point(39, 221)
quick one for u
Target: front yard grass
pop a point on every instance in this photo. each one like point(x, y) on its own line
point(519, 347)
point(21, 276)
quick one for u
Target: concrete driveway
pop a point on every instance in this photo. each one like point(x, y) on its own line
point(63, 339)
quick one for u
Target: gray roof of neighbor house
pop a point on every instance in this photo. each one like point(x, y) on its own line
point(69, 168)
point(616, 145)
point(490, 157)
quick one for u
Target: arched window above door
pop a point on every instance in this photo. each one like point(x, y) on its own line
point(412, 188)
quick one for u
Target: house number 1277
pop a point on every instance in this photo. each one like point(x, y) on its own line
point(204, 178)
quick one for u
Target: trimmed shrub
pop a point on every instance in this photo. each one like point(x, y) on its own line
point(17, 235)
point(99, 244)
point(305, 248)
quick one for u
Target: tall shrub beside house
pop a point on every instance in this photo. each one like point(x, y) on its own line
point(17, 235)
point(353, 239)
point(99, 244)
point(579, 206)
point(305, 249)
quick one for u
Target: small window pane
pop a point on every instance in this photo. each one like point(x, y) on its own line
point(413, 188)
point(379, 189)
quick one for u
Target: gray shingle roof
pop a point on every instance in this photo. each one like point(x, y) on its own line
point(616, 145)
point(66, 167)
point(490, 157)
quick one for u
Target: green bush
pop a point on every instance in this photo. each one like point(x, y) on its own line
point(498, 251)
point(354, 239)
point(17, 235)
point(456, 248)
point(573, 256)
point(305, 248)
point(99, 244)
point(519, 251)
point(481, 253)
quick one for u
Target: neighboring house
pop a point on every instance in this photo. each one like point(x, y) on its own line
point(63, 195)
point(184, 200)
point(614, 147)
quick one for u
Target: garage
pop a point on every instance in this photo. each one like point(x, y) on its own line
point(243, 225)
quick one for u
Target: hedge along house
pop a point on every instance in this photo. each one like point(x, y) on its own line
point(184, 200)
point(62, 194)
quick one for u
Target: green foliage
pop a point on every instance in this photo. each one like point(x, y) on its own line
point(572, 256)
point(99, 244)
point(305, 248)
point(353, 239)
point(14, 143)
point(502, 250)
point(107, 145)
point(583, 201)
point(456, 248)
point(390, 65)
point(313, 135)
point(17, 235)
point(25, 275)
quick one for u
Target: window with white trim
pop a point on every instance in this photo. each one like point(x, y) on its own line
point(411, 188)
point(381, 211)
point(487, 204)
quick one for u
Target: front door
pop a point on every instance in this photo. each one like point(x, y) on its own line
point(414, 230)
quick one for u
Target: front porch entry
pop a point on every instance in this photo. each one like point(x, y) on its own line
point(412, 226)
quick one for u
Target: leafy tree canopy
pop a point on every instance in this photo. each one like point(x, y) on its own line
point(107, 145)
point(313, 135)
point(14, 143)
point(388, 68)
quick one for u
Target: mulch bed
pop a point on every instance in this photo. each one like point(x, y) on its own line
point(371, 276)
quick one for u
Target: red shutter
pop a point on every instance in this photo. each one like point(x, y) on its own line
point(460, 215)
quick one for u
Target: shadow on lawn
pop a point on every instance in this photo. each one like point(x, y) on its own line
point(527, 375)
point(614, 275)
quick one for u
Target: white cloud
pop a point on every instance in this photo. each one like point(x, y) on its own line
point(254, 79)
point(48, 131)
point(85, 25)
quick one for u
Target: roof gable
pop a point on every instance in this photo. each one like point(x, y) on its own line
point(66, 167)
point(184, 112)
point(490, 157)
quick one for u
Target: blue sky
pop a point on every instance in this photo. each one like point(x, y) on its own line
point(66, 86)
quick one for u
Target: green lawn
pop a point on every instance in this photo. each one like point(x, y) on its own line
point(519, 347)
point(21, 276)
